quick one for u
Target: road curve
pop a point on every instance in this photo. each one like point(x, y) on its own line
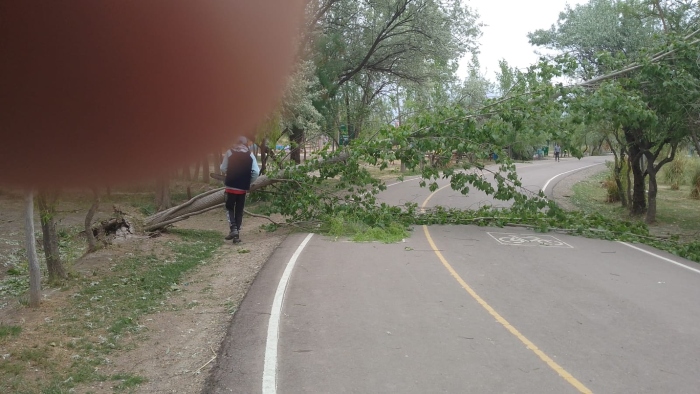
point(462, 309)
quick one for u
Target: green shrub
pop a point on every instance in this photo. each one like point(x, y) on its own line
point(695, 184)
point(612, 191)
point(673, 173)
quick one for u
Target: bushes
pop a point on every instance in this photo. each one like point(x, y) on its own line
point(673, 173)
point(695, 184)
point(613, 191)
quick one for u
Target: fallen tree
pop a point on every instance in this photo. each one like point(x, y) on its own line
point(214, 199)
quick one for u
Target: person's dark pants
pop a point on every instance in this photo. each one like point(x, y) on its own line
point(556, 156)
point(234, 206)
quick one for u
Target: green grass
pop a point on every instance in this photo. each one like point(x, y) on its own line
point(589, 196)
point(100, 315)
point(9, 331)
point(127, 381)
point(145, 203)
point(344, 225)
point(676, 212)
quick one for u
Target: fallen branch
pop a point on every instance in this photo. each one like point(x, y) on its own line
point(635, 66)
point(208, 362)
point(215, 198)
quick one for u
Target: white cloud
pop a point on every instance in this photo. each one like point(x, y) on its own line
point(505, 34)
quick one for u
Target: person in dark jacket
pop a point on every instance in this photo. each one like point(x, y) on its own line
point(241, 169)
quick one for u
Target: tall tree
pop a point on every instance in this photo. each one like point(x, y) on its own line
point(649, 101)
point(362, 50)
point(599, 26)
point(297, 114)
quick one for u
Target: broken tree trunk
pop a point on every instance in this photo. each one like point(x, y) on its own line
point(213, 199)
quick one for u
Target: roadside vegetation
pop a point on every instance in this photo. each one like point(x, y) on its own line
point(103, 315)
point(378, 87)
point(677, 228)
point(679, 209)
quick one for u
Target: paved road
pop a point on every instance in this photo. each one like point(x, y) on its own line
point(464, 309)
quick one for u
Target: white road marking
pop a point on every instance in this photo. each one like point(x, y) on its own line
point(660, 257)
point(512, 239)
point(544, 189)
point(405, 180)
point(269, 381)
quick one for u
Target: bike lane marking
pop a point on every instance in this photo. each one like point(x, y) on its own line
point(269, 380)
point(511, 239)
point(551, 363)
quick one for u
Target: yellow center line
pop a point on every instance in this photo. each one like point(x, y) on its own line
point(556, 367)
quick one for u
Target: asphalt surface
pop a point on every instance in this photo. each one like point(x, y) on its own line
point(465, 309)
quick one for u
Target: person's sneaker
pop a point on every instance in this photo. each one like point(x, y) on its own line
point(233, 234)
point(236, 238)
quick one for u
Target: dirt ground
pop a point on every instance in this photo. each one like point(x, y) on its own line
point(181, 345)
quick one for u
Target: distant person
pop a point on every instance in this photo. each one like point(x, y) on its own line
point(557, 152)
point(241, 169)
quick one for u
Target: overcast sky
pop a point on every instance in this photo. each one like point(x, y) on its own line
point(507, 24)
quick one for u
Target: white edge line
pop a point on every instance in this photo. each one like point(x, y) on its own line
point(405, 180)
point(269, 380)
point(660, 257)
point(544, 189)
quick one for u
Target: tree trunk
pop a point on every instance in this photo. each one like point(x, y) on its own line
point(638, 202)
point(620, 185)
point(263, 156)
point(617, 172)
point(47, 209)
point(653, 170)
point(297, 138)
point(628, 189)
point(30, 245)
point(91, 240)
point(653, 190)
point(163, 194)
point(696, 141)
